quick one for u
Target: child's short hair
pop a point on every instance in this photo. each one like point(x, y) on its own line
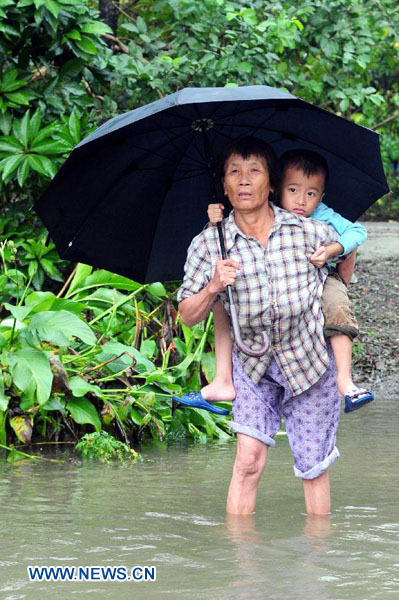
point(308, 161)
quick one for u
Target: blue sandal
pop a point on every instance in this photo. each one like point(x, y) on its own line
point(196, 400)
point(357, 398)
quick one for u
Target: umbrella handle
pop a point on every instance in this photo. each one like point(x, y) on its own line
point(233, 312)
point(237, 335)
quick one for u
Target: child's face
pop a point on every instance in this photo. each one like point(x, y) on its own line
point(301, 194)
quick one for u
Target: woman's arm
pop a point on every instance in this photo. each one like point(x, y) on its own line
point(196, 307)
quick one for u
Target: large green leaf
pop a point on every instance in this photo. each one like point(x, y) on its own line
point(101, 278)
point(83, 412)
point(31, 371)
point(112, 349)
point(80, 387)
point(42, 301)
point(157, 289)
point(57, 327)
point(81, 273)
point(104, 298)
point(4, 400)
point(208, 365)
point(18, 312)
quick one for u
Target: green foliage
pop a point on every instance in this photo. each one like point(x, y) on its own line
point(102, 354)
point(104, 447)
point(61, 75)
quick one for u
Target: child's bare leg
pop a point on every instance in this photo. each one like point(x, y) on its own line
point(354, 397)
point(221, 388)
point(342, 348)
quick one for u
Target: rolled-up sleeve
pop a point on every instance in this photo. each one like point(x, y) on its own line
point(198, 268)
point(351, 235)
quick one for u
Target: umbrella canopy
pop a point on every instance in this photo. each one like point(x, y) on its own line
point(134, 193)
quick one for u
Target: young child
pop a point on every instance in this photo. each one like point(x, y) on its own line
point(304, 178)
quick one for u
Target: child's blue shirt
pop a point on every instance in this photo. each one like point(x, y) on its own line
point(351, 234)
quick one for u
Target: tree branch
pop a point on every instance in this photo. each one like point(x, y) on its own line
point(388, 120)
point(121, 45)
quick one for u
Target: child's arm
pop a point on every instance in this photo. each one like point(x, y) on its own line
point(346, 267)
point(351, 235)
point(215, 213)
point(325, 253)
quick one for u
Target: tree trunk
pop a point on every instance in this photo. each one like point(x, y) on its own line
point(109, 13)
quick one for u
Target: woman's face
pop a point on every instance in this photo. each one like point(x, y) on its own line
point(246, 182)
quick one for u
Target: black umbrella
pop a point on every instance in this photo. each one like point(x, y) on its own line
point(134, 193)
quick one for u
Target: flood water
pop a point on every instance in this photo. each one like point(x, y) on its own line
point(169, 512)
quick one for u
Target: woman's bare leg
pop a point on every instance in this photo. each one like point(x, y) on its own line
point(317, 494)
point(248, 467)
point(222, 388)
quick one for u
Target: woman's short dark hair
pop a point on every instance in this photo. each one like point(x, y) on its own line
point(250, 146)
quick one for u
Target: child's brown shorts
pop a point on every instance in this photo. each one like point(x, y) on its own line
point(338, 315)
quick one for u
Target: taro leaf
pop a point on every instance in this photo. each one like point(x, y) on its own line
point(3, 398)
point(31, 371)
point(3, 341)
point(157, 289)
point(148, 348)
point(112, 349)
point(104, 298)
point(80, 387)
point(136, 416)
point(148, 400)
point(82, 271)
point(42, 301)
point(22, 426)
point(183, 367)
point(208, 364)
point(100, 278)
point(176, 429)
point(196, 433)
point(69, 305)
point(57, 328)
point(203, 419)
point(18, 312)
point(222, 435)
point(157, 429)
point(55, 404)
point(3, 432)
point(83, 411)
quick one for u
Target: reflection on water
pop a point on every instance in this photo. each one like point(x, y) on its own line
point(170, 512)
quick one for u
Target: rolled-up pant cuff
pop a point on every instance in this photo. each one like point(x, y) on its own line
point(320, 468)
point(252, 433)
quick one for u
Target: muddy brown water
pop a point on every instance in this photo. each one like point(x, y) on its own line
point(169, 512)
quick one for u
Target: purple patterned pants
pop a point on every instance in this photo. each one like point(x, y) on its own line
point(311, 419)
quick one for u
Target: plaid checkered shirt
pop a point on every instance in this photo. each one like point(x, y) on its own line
point(277, 290)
